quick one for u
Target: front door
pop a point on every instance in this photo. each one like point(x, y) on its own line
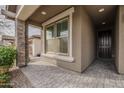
point(104, 44)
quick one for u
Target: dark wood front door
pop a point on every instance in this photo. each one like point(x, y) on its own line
point(104, 44)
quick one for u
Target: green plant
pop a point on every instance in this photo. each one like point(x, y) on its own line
point(7, 58)
point(7, 55)
point(5, 76)
point(5, 80)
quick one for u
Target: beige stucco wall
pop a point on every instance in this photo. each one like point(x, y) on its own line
point(120, 40)
point(88, 40)
point(36, 46)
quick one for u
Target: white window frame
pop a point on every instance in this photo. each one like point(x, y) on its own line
point(69, 12)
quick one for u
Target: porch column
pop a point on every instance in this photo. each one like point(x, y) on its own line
point(22, 42)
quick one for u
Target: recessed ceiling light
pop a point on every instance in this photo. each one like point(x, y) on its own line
point(43, 13)
point(103, 23)
point(101, 10)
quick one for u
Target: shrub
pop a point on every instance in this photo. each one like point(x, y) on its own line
point(7, 58)
point(5, 76)
point(5, 80)
point(7, 55)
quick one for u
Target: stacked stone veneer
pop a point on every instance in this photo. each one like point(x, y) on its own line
point(21, 43)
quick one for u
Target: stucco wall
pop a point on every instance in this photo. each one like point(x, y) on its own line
point(36, 46)
point(88, 40)
point(120, 41)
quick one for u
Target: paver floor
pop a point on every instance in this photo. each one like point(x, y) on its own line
point(19, 80)
point(98, 75)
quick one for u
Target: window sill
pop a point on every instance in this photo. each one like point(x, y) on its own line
point(59, 57)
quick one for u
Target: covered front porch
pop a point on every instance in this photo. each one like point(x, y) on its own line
point(68, 35)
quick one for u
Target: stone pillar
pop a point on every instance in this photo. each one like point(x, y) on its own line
point(26, 43)
point(21, 43)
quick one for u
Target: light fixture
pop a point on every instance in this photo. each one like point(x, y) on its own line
point(43, 13)
point(101, 10)
point(103, 23)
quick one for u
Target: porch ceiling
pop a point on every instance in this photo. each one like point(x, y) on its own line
point(98, 18)
point(50, 10)
point(107, 15)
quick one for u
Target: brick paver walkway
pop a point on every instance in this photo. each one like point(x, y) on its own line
point(99, 74)
point(19, 80)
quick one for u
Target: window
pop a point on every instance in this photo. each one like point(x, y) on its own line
point(57, 37)
point(50, 32)
point(62, 28)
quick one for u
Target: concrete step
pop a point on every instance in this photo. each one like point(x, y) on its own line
point(34, 59)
